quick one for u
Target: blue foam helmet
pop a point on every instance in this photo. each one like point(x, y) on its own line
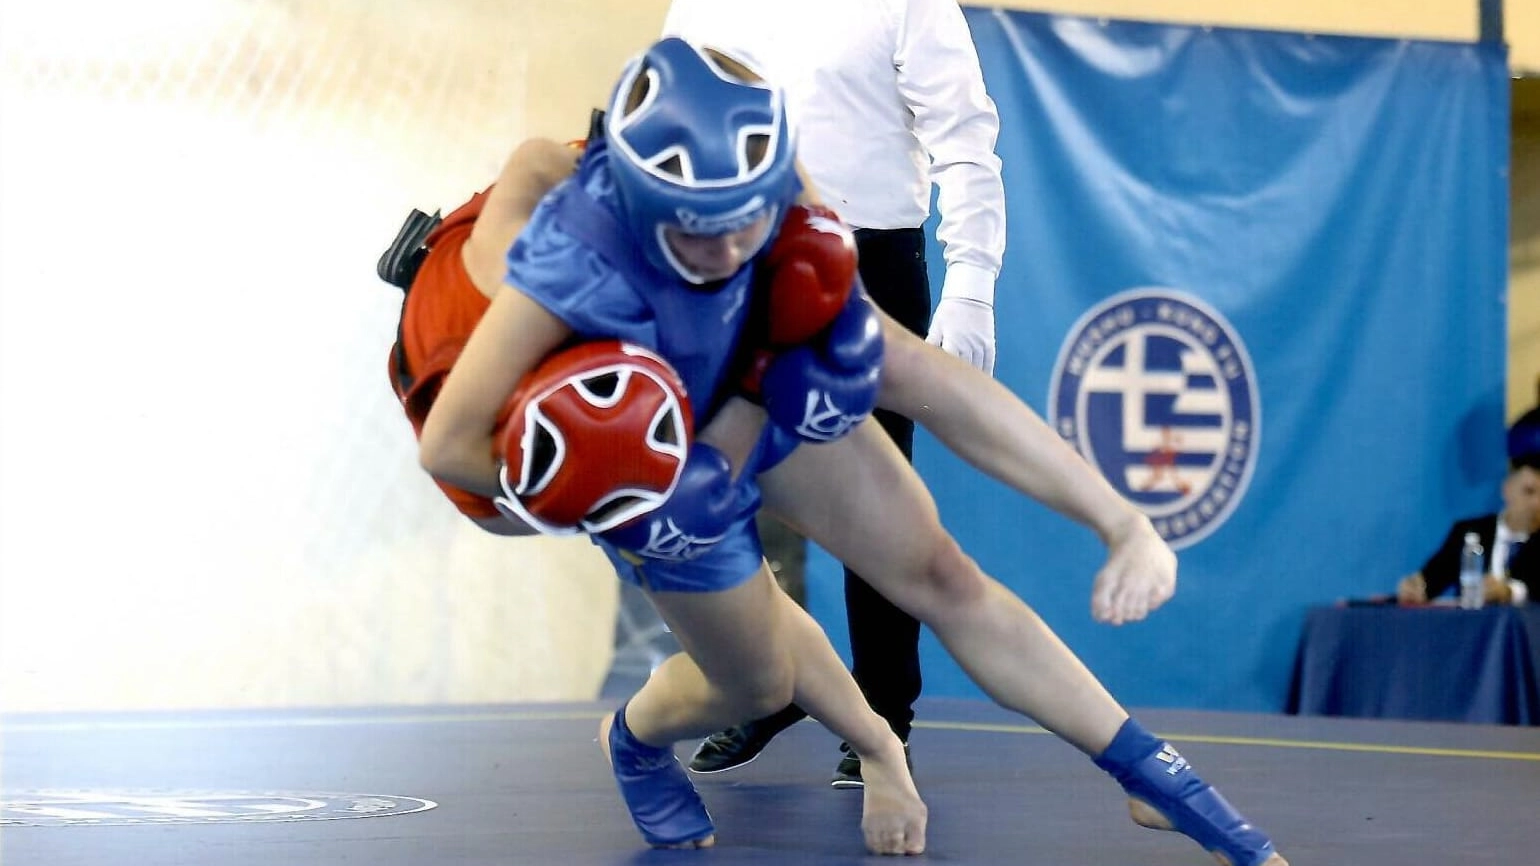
point(695, 146)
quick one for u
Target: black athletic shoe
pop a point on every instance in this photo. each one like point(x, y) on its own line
point(848, 773)
point(739, 745)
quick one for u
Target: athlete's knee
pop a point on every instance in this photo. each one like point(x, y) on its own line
point(950, 578)
point(764, 691)
point(775, 696)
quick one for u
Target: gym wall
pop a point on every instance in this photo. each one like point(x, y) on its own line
point(208, 496)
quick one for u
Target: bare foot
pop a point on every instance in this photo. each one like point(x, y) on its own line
point(604, 744)
point(892, 814)
point(1146, 815)
point(1138, 576)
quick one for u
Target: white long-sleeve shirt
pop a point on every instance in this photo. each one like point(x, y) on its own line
point(885, 97)
point(1497, 564)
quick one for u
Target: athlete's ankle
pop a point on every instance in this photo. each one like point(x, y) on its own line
point(1131, 744)
point(637, 744)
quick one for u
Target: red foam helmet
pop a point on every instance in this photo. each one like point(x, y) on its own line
point(596, 435)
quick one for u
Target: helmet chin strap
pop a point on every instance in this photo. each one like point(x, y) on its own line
point(711, 287)
point(692, 279)
point(513, 508)
point(697, 283)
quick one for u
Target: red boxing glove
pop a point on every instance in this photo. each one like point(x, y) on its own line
point(808, 274)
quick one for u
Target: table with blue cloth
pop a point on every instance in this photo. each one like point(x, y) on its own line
point(1430, 663)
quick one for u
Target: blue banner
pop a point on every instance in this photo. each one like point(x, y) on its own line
point(1258, 280)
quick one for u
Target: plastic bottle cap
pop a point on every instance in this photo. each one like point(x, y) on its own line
point(1472, 538)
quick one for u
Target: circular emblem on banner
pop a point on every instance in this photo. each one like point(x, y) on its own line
point(120, 807)
point(1156, 390)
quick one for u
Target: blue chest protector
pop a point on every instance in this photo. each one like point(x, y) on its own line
point(578, 261)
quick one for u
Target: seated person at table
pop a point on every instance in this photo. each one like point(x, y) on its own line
point(1512, 564)
point(1524, 436)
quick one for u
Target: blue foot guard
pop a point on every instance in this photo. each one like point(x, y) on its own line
point(663, 803)
point(1152, 772)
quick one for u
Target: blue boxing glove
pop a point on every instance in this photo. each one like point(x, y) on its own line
point(696, 515)
point(821, 390)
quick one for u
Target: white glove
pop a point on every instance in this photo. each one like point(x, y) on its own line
point(965, 328)
point(964, 322)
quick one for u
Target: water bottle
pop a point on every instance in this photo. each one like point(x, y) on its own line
point(1471, 572)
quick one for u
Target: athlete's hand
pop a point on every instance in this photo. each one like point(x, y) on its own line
point(697, 514)
point(1138, 576)
point(808, 274)
point(820, 391)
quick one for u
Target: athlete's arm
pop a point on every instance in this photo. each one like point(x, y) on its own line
point(533, 169)
point(981, 421)
point(457, 437)
point(456, 444)
point(734, 431)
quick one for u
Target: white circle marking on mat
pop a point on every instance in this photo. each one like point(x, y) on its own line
point(120, 807)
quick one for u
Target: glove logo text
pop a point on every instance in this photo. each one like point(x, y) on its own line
point(667, 542)
point(823, 421)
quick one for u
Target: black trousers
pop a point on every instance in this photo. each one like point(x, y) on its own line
point(884, 641)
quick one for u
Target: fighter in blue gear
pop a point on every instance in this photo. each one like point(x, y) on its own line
point(647, 243)
point(694, 169)
point(653, 241)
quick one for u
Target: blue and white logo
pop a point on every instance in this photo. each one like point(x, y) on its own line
point(1156, 390)
point(667, 542)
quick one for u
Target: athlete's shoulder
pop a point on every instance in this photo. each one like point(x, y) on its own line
point(546, 253)
point(569, 278)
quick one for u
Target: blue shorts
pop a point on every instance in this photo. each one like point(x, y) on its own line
point(731, 561)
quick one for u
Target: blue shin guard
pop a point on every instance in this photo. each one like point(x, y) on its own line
point(1153, 773)
point(662, 802)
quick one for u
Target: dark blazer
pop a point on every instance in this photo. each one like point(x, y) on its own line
point(1442, 570)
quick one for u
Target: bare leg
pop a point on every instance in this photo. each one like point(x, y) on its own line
point(826, 492)
point(892, 815)
point(986, 627)
point(981, 421)
point(750, 650)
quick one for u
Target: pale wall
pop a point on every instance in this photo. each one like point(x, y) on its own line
point(207, 494)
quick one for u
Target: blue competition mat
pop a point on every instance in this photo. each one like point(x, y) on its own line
point(527, 784)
